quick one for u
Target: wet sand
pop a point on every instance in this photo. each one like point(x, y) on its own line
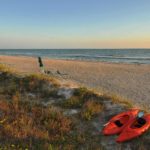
point(131, 81)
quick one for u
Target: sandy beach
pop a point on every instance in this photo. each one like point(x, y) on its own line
point(127, 80)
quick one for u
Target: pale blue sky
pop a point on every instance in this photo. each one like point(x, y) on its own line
point(74, 23)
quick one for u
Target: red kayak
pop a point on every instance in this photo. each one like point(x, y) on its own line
point(119, 122)
point(135, 128)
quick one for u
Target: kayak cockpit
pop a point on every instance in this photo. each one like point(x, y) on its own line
point(120, 122)
point(140, 122)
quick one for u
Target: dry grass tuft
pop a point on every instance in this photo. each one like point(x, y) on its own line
point(118, 99)
point(90, 109)
point(39, 85)
point(80, 96)
point(21, 121)
point(6, 68)
point(42, 78)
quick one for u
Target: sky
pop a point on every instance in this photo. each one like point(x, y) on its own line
point(74, 24)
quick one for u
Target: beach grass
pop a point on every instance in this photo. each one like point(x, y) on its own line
point(118, 99)
point(90, 109)
point(80, 96)
point(28, 124)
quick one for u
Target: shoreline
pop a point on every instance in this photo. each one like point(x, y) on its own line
point(78, 60)
point(127, 80)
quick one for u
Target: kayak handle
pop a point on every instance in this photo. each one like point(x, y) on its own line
point(106, 124)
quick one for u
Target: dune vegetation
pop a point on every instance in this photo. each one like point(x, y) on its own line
point(35, 114)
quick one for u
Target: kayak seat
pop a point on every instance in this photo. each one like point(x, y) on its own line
point(118, 123)
point(140, 122)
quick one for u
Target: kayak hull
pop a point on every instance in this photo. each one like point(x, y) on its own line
point(112, 127)
point(131, 131)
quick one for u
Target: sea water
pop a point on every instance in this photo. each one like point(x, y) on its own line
point(141, 56)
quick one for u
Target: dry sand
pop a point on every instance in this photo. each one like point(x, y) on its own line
point(131, 81)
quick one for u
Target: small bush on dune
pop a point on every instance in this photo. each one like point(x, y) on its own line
point(36, 82)
point(80, 96)
point(85, 93)
point(73, 102)
point(80, 91)
point(41, 85)
point(90, 109)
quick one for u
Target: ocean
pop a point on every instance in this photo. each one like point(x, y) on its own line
point(141, 56)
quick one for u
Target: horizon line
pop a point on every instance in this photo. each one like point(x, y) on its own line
point(66, 48)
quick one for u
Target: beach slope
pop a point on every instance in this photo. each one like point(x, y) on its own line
point(127, 80)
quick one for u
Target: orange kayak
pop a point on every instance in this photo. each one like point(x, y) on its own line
point(119, 122)
point(135, 128)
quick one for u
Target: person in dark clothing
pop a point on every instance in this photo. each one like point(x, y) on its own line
point(40, 62)
point(41, 65)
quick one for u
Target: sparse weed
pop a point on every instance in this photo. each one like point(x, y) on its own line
point(118, 99)
point(90, 109)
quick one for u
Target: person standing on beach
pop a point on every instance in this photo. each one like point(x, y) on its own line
point(41, 65)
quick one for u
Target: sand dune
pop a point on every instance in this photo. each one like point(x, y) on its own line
point(131, 81)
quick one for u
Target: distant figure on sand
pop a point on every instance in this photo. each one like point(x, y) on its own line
point(42, 69)
point(41, 65)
